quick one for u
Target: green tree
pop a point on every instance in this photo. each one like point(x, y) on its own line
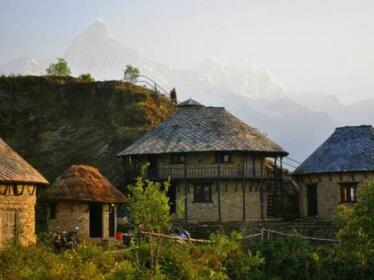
point(60, 68)
point(131, 74)
point(356, 231)
point(148, 204)
point(86, 77)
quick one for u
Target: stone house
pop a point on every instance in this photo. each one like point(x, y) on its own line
point(218, 165)
point(82, 197)
point(18, 183)
point(332, 174)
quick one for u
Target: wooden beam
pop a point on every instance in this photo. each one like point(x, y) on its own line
point(254, 165)
point(219, 188)
point(243, 190)
point(185, 190)
point(262, 200)
point(281, 186)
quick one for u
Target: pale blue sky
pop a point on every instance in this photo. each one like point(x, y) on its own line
point(312, 45)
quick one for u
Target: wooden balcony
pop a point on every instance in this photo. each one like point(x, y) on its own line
point(163, 173)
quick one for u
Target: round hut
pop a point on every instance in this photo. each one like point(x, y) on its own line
point(82, 197)
point(18, 183)
point(332, 174)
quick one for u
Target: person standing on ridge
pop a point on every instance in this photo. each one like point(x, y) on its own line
point(173, 97)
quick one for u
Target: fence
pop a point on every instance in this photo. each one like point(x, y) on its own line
point(265, 234)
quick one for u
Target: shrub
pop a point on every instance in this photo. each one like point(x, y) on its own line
point(86, 77)
point(356, 232)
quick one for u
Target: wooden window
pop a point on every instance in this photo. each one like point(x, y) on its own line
point(203, 192)
point(223, 157)
point(18, 189)
point(348, 192)
point(177, 158)
point(3, 189)
point(52, 210)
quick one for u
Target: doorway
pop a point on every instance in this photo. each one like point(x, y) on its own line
point(8, 226)
point(172, 195)
point(96, 220)
point(312, 200)
point(112, 220)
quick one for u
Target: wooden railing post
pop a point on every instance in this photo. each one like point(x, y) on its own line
point(243, 186)
point(219, 187)
point(281, 186)
point(185, 190)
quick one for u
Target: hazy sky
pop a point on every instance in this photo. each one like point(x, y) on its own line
point(311, 45)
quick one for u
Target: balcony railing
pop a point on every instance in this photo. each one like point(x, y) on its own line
point(205, 172)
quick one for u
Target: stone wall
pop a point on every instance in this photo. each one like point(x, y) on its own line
point(24, 206)
point(231, 201)
point(328, 190)
point(70, 214)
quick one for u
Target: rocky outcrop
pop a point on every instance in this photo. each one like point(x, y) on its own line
point(57, 122)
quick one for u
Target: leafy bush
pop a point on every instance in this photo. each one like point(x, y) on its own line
point(86, 77)
point(356, 225)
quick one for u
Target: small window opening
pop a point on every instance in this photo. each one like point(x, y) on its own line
point(348, 193)
point(52, 210)
point(203, 193)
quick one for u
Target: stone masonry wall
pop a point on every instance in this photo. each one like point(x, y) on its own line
point(24, 205)
point(231, 189)
point(231, 202)
point(70, 214)
point(328, 190)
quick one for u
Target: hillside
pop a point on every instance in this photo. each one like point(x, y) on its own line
point(56, 122)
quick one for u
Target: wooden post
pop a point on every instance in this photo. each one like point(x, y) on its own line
point(281, 187)
point(254, 165)
point(115, 220)
point(185, 190)
point(243, 185)
point(219, 187)
point(262, 199)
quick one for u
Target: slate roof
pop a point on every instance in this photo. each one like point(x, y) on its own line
point(82, 183)
point(189, 103)
point(201, 129)
point(349, 148)
point(14, 169)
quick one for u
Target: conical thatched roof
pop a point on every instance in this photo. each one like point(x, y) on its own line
point(83, 183)
point(200, 129)
point(14, 169)
point(349, 148)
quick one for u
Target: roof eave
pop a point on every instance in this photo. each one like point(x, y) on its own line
point(44, 183)
point(269, 153)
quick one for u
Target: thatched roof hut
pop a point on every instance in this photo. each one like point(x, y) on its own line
point(196, 128)
point(348, 149)
point(83, 183)
point(14, 169)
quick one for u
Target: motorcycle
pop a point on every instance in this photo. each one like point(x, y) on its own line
point(65, 239)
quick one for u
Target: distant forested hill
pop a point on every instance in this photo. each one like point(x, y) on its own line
point(56, 122)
